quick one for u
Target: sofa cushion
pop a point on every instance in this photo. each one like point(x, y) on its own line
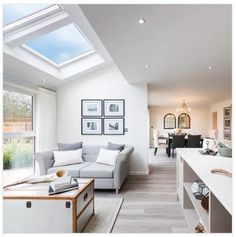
point(73, 170)
point(96, 170)
point(107, 157)
point(114, 146)
point(90, 152)
point(69, 147)
point(67, 157)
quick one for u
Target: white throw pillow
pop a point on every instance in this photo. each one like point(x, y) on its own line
point(67, 157)
point(107, 157)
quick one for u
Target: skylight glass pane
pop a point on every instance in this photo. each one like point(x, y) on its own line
point(61, 45)
point(14, 12)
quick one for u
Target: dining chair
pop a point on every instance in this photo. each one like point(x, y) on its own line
point(158, 142)
point(194, 141)
point(177, 142)
point(155, 142)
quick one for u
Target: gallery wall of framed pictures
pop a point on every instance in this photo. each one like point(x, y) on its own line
point(227, 122)
point(102, 117)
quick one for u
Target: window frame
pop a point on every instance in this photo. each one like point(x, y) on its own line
point(164, 120)
point(8, 135)
point(23, 134)
point(36, 16)
point(189, 118)
point(60, 65)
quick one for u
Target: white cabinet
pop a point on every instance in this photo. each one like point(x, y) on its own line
point(191, 166)
point(29, 209)
point(37, 216)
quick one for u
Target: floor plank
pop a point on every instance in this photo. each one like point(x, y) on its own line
point(150, 202)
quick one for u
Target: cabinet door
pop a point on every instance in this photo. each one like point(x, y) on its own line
point(179, 178)
point(37, 216)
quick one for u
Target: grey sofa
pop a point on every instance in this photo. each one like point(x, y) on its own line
point(106, 176)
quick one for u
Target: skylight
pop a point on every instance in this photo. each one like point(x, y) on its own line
point(61, 45)
point(15, 12)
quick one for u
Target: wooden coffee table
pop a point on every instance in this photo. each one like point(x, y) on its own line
point(27, 208)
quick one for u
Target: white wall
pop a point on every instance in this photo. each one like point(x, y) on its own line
point(219, 108)
point(107, 83)
point(200, 120)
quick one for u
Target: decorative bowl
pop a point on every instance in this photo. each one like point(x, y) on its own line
point(225, 151)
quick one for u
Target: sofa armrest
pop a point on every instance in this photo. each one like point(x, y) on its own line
point(122, 166)
point(43, 161)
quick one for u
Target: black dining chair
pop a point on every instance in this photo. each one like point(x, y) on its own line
point(194, 141)
point(177, 142)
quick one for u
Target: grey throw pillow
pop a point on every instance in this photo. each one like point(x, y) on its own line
point(69, 147)
point(113, 146)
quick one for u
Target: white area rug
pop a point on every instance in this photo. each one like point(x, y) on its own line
point(106, 212)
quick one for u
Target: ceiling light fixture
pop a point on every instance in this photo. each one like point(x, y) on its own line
point(147, 66)
point(44, 80)
point(141, 21)
point(183, 108)
point(209, 67)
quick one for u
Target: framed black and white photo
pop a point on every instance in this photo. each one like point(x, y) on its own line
point(227, 134)
point(113, 126)
point(91, 108)
point(114, 108)
point(227, 111)
point(91, 126)
point(227, 122)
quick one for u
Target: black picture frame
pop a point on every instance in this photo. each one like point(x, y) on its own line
point(227, 134)
point(227, 112)
point(164, 121)
point(85, 113)
point(179, 121)
point(116, 103)
point(85, 130)
point(227, 122)
point(121, 122)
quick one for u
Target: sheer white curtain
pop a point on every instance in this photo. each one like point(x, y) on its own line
point(45, 120)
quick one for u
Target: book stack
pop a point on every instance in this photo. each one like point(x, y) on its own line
point(62, 185)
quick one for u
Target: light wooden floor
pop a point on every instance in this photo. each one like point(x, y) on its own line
point(150, 202)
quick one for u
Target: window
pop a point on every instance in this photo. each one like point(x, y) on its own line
point(184, 121)
point(17, 112)
point(169, 121)
point(61, 45)
point(15, 12)
point(19, 136)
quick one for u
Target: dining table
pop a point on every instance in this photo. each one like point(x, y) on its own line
point(169, 141)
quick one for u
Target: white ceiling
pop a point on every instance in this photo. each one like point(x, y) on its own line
point(179, 42)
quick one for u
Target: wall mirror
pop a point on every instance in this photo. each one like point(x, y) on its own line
point(184, 121)
point(169, 121)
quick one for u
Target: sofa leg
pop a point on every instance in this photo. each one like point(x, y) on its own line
point(117, 191)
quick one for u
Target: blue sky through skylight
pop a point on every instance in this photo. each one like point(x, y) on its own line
point(14, 12)
point(61, 45)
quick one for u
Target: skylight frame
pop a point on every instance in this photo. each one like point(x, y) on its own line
point(35, 16)
point(15, 38)
point(84, 54)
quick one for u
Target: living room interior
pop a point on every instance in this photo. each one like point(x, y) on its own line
point(130, 103)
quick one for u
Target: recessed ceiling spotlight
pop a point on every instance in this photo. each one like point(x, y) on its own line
point(209, 67)
point(147, 66)
point(141, 21)
point(44, 80)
